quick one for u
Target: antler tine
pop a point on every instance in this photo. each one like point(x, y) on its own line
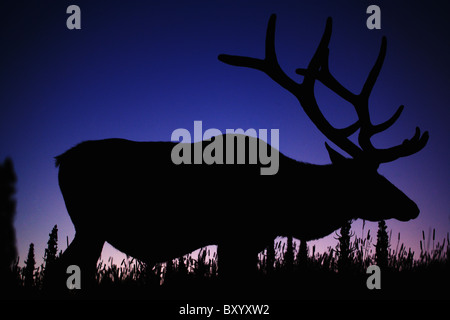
point(385, 125)
point(269, 65)
point(304, 92)
point(408, 147)
point(373, 75)
point(362, 103)
point(318, 69)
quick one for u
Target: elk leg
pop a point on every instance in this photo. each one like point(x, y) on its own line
point(237, 268)
point(83, 252)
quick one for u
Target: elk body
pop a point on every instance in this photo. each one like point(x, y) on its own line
point(133, 196)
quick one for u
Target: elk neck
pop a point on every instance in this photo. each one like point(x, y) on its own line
point(323, 200)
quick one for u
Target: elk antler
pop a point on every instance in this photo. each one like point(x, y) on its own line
point(304, 92)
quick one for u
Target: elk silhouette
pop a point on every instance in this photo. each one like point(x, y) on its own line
point(132, 195)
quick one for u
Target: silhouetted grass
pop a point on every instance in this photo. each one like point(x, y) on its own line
point(406, 275)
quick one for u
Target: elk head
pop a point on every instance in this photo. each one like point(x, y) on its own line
point(377, 197)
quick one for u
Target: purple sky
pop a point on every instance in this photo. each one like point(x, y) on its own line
point(141, 69)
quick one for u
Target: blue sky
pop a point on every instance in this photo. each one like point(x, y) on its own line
point(141, 69)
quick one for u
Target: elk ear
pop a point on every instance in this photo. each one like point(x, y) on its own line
point(335, 157)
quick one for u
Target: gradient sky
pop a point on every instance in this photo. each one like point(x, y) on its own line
point(141, 69)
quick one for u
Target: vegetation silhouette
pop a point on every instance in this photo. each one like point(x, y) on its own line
point(29, 270)
point(114, 189)
point(8, 251)
point(310, 275)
